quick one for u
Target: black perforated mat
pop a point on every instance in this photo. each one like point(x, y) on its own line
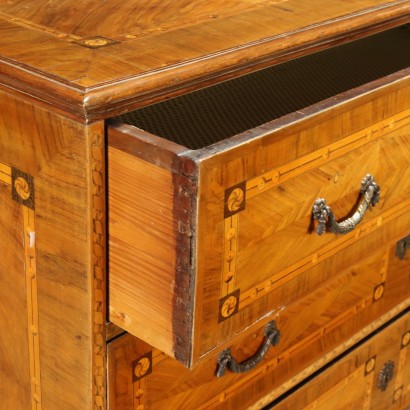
point(209, 115)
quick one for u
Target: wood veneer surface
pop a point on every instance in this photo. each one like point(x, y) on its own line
point(337, 313)
point(43, 52)
point(65, 284)
point(14, 352)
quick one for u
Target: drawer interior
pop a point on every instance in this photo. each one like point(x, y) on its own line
point(204, 117)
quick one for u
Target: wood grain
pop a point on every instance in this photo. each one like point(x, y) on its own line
point(203, 43)
point(15, 386)
point(150, 234)
point(142, 248)
point(343, 384)
point(96, 181)
point(64, 68)
point(29, 234)
point(298, 161)
point(119, 20)
point(313, 329)
point(64, 159)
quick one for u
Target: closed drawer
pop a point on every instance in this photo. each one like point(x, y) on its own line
point(206, 241)
point(336, 314)
point(375, 375)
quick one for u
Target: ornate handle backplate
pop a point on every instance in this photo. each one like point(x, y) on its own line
point(385, 375)
point(326, 218)
point(226, 361)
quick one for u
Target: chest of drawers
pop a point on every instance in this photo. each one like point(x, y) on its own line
point(202, 204)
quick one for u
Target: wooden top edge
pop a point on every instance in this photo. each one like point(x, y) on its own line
point(90, 100)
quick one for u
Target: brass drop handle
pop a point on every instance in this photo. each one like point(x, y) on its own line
point(226, 361)
point(326, 218)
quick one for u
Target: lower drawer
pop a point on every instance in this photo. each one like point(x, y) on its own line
point(334, 315)
point(375, 375)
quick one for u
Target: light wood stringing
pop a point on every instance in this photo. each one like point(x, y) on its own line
point(15, 358)
point(23, 191)
point(29, 234)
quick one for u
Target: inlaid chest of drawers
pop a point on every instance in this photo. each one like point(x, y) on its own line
point(204, 204)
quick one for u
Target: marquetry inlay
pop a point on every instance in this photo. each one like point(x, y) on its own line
point(5, 173)
point(400, 386)
point(308, 162)
point(397, 394)
point(142, 367)
point(405, 339)
point(96, 42)
point(32, 304)
point(229, 305)
point(230, 255)
point(22, 186)
point(236, 197)
point(98, 266)
point(378, 292)
point(370, 365)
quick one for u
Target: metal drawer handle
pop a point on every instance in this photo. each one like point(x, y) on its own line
point(226, 361)
point(385, 375)
point(402, 246)
point(324, 215)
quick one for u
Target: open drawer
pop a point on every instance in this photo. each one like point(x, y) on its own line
point(211, 194)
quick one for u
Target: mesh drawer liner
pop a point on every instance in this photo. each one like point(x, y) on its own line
point(203, 117)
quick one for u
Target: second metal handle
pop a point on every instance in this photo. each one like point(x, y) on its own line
point(227, 361)
point(326, 218)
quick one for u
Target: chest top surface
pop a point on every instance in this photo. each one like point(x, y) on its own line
point(93, 59)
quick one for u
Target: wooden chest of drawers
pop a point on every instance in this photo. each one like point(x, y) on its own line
point(204, 205)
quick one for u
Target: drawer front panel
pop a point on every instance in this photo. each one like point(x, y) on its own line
point(273, 232)
point(336, 314)
point(373, 376)
point(260, 235)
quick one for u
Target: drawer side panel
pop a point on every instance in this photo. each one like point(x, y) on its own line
point(142, 248)
point(151, 284)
